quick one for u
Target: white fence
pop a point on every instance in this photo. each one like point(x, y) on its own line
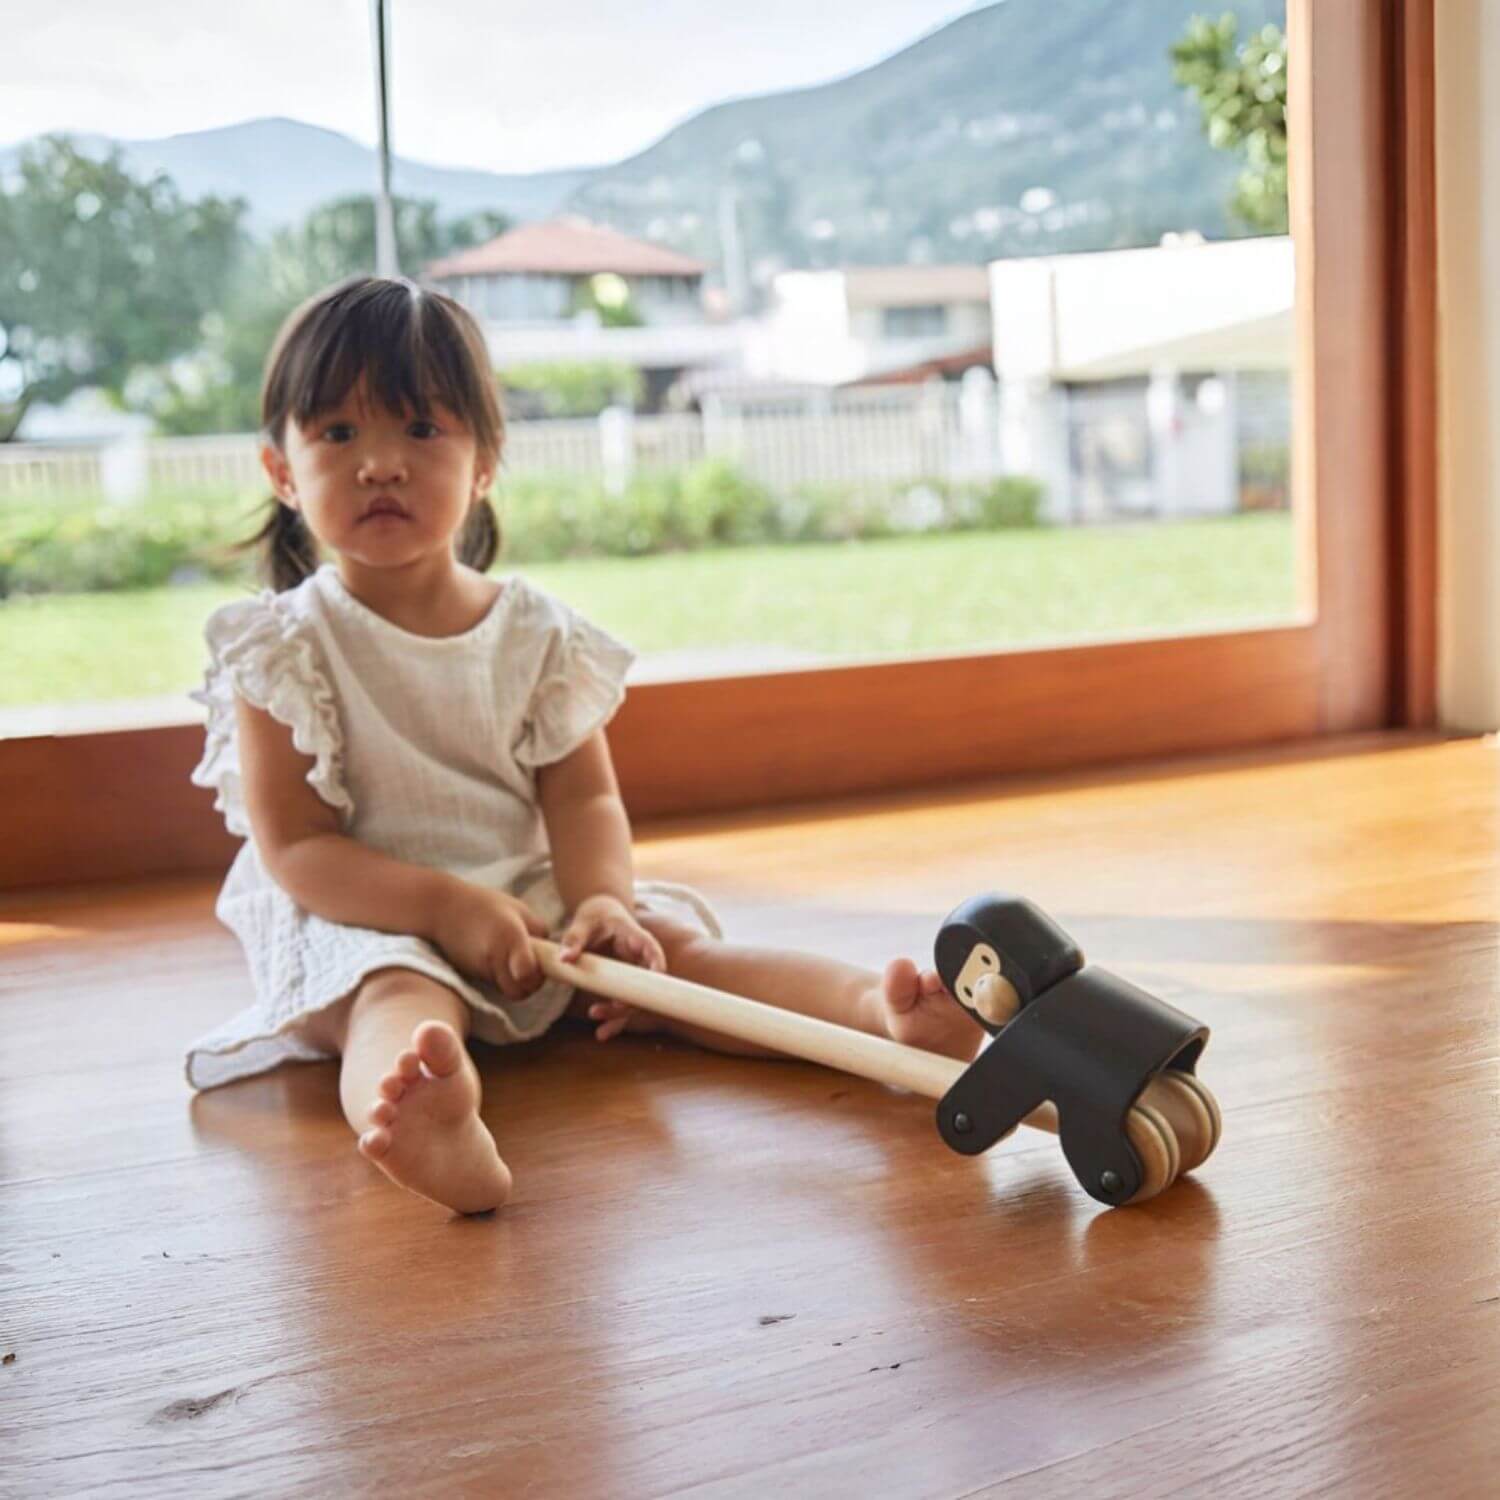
point(1108, 456)
point(36, 469)
point(902, 433)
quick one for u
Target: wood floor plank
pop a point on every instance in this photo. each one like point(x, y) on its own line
point(724, 1277)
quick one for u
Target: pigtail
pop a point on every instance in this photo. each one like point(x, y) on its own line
point(287, 552)
point(479, 542)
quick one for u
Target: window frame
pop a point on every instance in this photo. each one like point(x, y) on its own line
point(892, 317)
point(116, 805)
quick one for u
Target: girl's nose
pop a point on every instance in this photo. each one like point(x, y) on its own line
point(378, 467)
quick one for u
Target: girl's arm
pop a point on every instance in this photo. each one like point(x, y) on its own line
point(297, 836)
point(587, 829)
point(589, 836)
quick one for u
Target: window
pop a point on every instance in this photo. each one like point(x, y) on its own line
point(915, 322)
point(811, 724)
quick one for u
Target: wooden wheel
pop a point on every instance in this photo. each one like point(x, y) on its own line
point(1192, 1112)
point(1154, 1143)
point(1189, 1110)
point(1196, 1084)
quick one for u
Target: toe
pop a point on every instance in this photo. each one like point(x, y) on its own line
point(902, 984)
point(392, 1087)
point(439, 1048)
point(383, 1112)
point(375, 1143)
point(408, 1066)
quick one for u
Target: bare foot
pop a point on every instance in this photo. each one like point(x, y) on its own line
point(425, 1131)
point(913, 1008)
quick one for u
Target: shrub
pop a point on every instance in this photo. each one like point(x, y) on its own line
point(543, 519)
point(866, 511)
point(82, 544)
point(721, 506)
point(1265, 476)
point(1011, 500)
point(564, 388)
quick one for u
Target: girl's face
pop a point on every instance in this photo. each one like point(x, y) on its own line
point(378, 489)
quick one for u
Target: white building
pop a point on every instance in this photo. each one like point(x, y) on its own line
point(861, 323)
point(87, 417)
point(1123, 374)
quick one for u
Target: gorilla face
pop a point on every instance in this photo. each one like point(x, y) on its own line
point(981, 988)
point(997, 952)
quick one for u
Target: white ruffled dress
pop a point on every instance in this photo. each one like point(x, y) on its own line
point(428, 750)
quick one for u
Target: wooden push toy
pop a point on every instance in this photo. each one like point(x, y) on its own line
point(1074, 1049)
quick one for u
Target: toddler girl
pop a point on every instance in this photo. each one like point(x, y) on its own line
point(414, 752)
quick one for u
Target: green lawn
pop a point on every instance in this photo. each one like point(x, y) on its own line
point(911, 594)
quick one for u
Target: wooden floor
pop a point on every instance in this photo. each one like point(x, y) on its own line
point(724, 1277)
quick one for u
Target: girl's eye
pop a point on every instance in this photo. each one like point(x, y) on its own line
point(423, 429)
point(339, 432)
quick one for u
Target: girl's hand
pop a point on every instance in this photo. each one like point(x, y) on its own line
point(487, 935)
point(607, 924)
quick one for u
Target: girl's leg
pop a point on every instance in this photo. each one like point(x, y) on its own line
point(411, 1091)
point(904, 1004)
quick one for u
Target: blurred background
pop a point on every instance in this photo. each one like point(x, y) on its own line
point(898, 329)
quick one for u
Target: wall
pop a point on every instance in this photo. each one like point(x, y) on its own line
point(809, 329)
point(1218, 306)
point(966, 324)
point(1467, 60)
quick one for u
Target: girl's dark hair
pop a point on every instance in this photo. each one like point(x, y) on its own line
point(414, 348)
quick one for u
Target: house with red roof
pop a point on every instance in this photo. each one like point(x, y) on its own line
point(569, 290)
point(552, 271)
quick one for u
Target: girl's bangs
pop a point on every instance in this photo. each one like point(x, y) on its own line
point(403, 348)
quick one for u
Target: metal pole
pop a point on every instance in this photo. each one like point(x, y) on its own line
point(732, 250)
point(385, 219)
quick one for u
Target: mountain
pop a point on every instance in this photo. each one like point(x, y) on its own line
point(284, 168)
point(1026, 127)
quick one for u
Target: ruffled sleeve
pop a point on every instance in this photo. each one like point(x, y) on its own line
point(580, 686)
point(262, 650)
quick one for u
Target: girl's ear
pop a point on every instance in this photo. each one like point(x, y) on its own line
point(279, 471)
point(483, 477)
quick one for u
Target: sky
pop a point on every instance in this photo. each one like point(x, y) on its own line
point(497, 84)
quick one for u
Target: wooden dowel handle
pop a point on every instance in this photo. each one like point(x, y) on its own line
point(751, 1021)
point(764, 1025)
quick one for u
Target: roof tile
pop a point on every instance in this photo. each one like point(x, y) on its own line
point(567, 246)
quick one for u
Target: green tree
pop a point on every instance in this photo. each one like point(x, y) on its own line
point(337, 239)
point(101, 274)
point(570, 389)
point(218, 390)
point(607, 296)
point(473, 229)
point(1241, 91)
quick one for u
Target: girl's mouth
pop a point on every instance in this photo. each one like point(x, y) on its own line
point(384, 508)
